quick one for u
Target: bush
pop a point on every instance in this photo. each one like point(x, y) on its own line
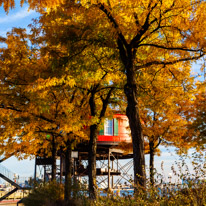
point(51, 194)
point(48, 194)
point(191, 192)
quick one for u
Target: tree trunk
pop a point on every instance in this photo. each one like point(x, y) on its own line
point(151, 163)
point(92, 150)
point(53, 159)
point(68, 173)
point(132, 112)
point(92, 161)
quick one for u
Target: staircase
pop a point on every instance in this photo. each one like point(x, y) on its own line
point(9, 177)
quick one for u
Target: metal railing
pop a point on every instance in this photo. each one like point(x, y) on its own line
point(7, 173)
point(22, 181)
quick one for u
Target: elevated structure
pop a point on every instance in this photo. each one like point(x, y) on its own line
point(110, 172)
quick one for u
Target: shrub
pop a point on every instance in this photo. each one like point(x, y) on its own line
point(48, 194)
point(192, 191)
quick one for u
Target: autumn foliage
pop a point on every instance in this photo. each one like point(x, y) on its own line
point(85, 59)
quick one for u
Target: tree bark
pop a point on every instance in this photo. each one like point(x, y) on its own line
point(92, 149)
point(127, 55)
point(151, 163)
point(68, 173)
point(92, 160)
point(132, 111)
point(53, 159)
point(93, 138)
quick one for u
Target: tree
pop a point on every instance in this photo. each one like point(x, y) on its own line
point(150, 33)
point(38, 99)
point(164, 100)
point(146, 34)
point(60, 82)
point(199, 117)
point(35, 103)
point(88, 63)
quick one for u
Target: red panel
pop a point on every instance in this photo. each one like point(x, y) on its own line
point(106, 138)
point(123, 133)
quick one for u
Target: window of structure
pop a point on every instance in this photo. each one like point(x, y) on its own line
point(108, 127)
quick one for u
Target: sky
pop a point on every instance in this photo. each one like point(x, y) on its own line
point(21, 17)
point(17, 17)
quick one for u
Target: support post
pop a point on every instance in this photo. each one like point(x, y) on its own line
point(109, 186)
point(35, 171)
point(117, 164)
point(44, 173)
point(61, 167)
point(112, 175)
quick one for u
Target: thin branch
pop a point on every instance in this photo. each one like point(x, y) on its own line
point(173, 74)
point(113, 21)
point(160, 139)
point(121, 41)
point(144, 28)
point(11, 107)
point(105, 103)
point(171, 48)
point(169, 62)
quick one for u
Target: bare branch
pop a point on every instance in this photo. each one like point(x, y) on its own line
point(144, 28)
point(171, 48)
point(121, 41)
point(113, 21)
point(168, 62)
point(11, 107)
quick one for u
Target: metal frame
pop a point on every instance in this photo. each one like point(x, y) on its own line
point(111, 170)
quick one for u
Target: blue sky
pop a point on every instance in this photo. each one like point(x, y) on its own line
point(21, 17)
point(17, 17)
